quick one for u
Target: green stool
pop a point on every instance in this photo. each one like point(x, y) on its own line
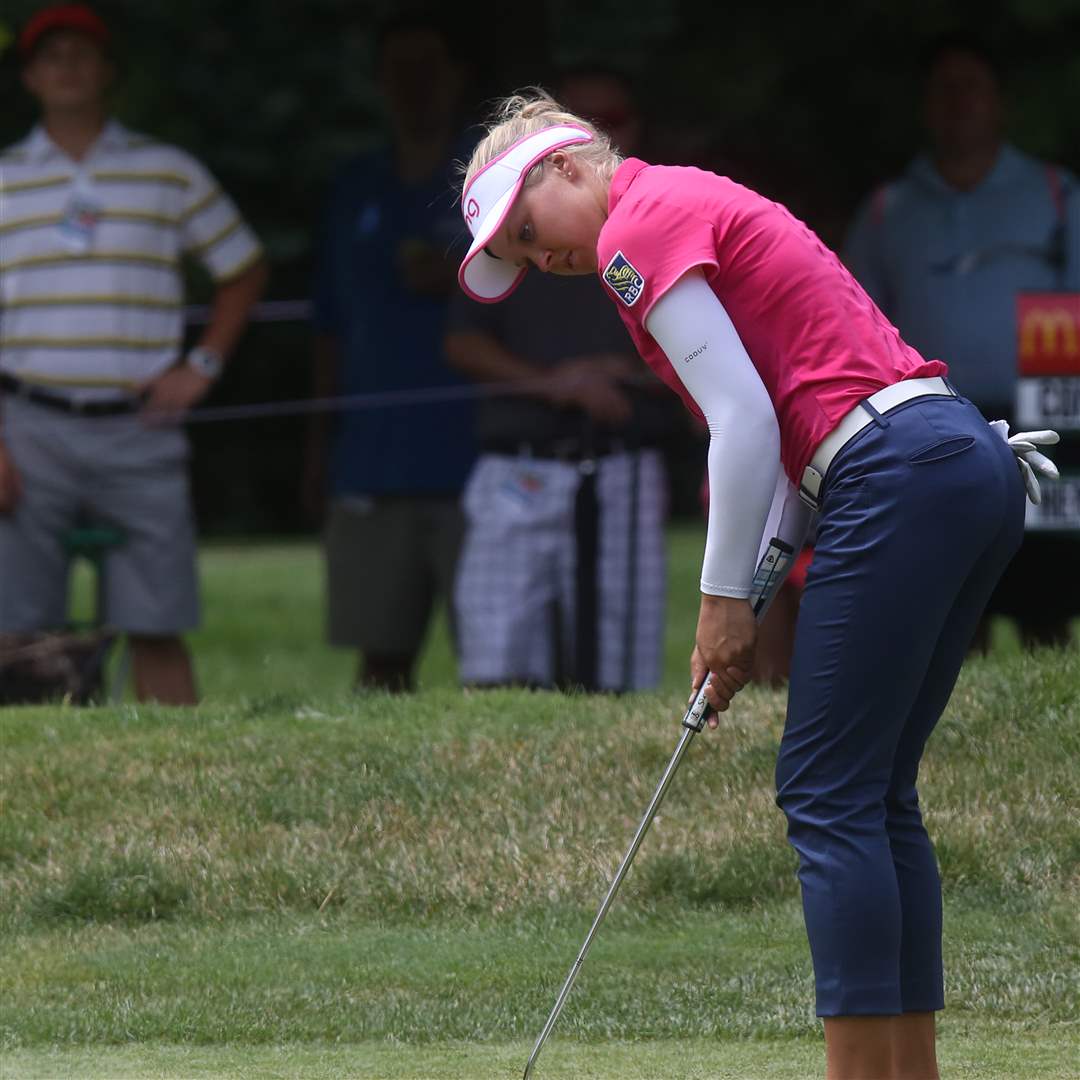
point(93, 542)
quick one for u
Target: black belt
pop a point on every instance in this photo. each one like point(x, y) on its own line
point(25, 391)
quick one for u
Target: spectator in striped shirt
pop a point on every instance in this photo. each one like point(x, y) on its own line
point(93, 223)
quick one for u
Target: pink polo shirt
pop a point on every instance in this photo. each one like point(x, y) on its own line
point(816, 339)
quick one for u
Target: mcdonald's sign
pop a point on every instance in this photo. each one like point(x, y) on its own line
point(1048, 329)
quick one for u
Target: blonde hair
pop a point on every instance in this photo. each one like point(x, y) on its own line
point(532, 110)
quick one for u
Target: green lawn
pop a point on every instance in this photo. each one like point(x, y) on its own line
point(292, 880)
point(982, 1052)
point(281, 589)
point(263, 630)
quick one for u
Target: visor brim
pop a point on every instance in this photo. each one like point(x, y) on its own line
point(482, 276)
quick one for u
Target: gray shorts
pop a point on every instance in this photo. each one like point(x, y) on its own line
point(112, 471)
point(387, 560)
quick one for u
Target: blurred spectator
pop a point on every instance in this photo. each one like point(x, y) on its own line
point(393, 475)
point(945, 249)
point(562, 577)
point(93, 221)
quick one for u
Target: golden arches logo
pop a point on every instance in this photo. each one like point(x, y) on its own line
point(1049, 332)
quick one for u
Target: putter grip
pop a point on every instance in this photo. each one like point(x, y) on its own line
point(699, 712)
point(770, 574)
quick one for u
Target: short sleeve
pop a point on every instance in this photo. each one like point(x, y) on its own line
point(653, 243)
point(212, 228)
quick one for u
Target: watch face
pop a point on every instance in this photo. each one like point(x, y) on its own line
point(205, 362)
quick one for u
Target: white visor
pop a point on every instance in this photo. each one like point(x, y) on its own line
point(486, 201)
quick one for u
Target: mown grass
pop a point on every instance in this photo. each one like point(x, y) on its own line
point(671, 974)
point(965, 1052)
point(379, 886)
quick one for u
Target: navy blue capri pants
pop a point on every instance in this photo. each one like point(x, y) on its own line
point(920, 513)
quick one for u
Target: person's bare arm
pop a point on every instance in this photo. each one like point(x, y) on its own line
point(586, 382)
point(231, 308)
point(480, 357)
point(10, 484)
point(180, 387)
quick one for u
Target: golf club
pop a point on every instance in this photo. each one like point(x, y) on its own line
point(769, 576)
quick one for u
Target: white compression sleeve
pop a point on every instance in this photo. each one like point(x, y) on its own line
point(690, 324)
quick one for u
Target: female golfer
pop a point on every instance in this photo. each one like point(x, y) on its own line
point(742, 311)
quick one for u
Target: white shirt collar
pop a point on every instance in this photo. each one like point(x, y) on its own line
point(40, 148)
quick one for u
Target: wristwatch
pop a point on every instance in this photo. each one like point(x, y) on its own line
point(205, 361)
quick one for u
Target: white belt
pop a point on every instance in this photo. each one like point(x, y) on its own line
point(853, 422)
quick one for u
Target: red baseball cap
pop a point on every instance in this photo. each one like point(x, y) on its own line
point(77, 17)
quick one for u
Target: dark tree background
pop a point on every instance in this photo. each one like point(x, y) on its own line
point(811, 104)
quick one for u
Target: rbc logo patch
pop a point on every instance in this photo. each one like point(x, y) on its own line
point(624, 280)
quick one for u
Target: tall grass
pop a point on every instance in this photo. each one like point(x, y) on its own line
point(492, 802)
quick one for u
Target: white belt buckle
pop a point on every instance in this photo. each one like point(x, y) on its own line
point(810, 488)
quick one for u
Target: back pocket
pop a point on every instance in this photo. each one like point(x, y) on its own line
point(942, 449)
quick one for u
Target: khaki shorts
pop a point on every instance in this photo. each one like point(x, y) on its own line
point(112, 471)
point(387, 560)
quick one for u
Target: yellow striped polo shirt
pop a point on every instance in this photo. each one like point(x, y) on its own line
point(105, 313)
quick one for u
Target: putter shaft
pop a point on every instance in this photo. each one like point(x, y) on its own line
point(770, 575)
point(658, 796)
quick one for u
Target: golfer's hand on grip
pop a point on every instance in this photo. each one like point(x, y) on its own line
point(724, 646)
point(10, 484)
